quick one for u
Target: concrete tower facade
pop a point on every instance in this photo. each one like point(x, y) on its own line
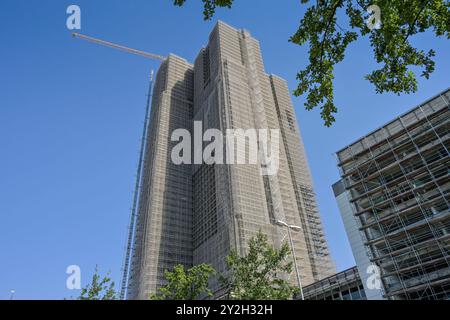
point(191, 214)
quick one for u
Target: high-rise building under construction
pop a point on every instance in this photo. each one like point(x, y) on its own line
point(192, 214)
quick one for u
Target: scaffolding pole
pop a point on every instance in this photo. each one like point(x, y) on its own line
point(137, 188)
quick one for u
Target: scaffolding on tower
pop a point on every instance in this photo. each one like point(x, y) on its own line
point(142, 151)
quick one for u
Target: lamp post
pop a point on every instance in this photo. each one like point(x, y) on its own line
point(295, 228)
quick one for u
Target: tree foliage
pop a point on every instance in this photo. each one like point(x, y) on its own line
point(260, 274)
point(180, 285)
point(209, 6)
point(99, 288)
point(322, 28)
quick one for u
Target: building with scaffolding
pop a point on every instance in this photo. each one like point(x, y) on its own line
point(395, 186)
point(363, 263)
point(344, 285)
point(192, 214)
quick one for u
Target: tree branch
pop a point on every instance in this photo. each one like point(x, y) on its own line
point(330, 19)
point(411, 26)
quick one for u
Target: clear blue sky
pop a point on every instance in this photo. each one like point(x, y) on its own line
point(71, 116)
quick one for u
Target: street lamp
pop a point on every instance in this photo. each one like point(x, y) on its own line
point(295, 228)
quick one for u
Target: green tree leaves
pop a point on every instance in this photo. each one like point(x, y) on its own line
point(99, 288)
point(327, 48)
point(329, 26)
point(209, 6)
point(186, 286)
point(258, 275)
point(393, 50)
point(261, 273)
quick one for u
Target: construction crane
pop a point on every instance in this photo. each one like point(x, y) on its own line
point(119, 47)
point(137, 187)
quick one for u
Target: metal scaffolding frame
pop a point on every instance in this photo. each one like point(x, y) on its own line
point(398, 178)
point(345, 285)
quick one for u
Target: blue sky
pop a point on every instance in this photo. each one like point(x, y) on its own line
point(71, 116)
